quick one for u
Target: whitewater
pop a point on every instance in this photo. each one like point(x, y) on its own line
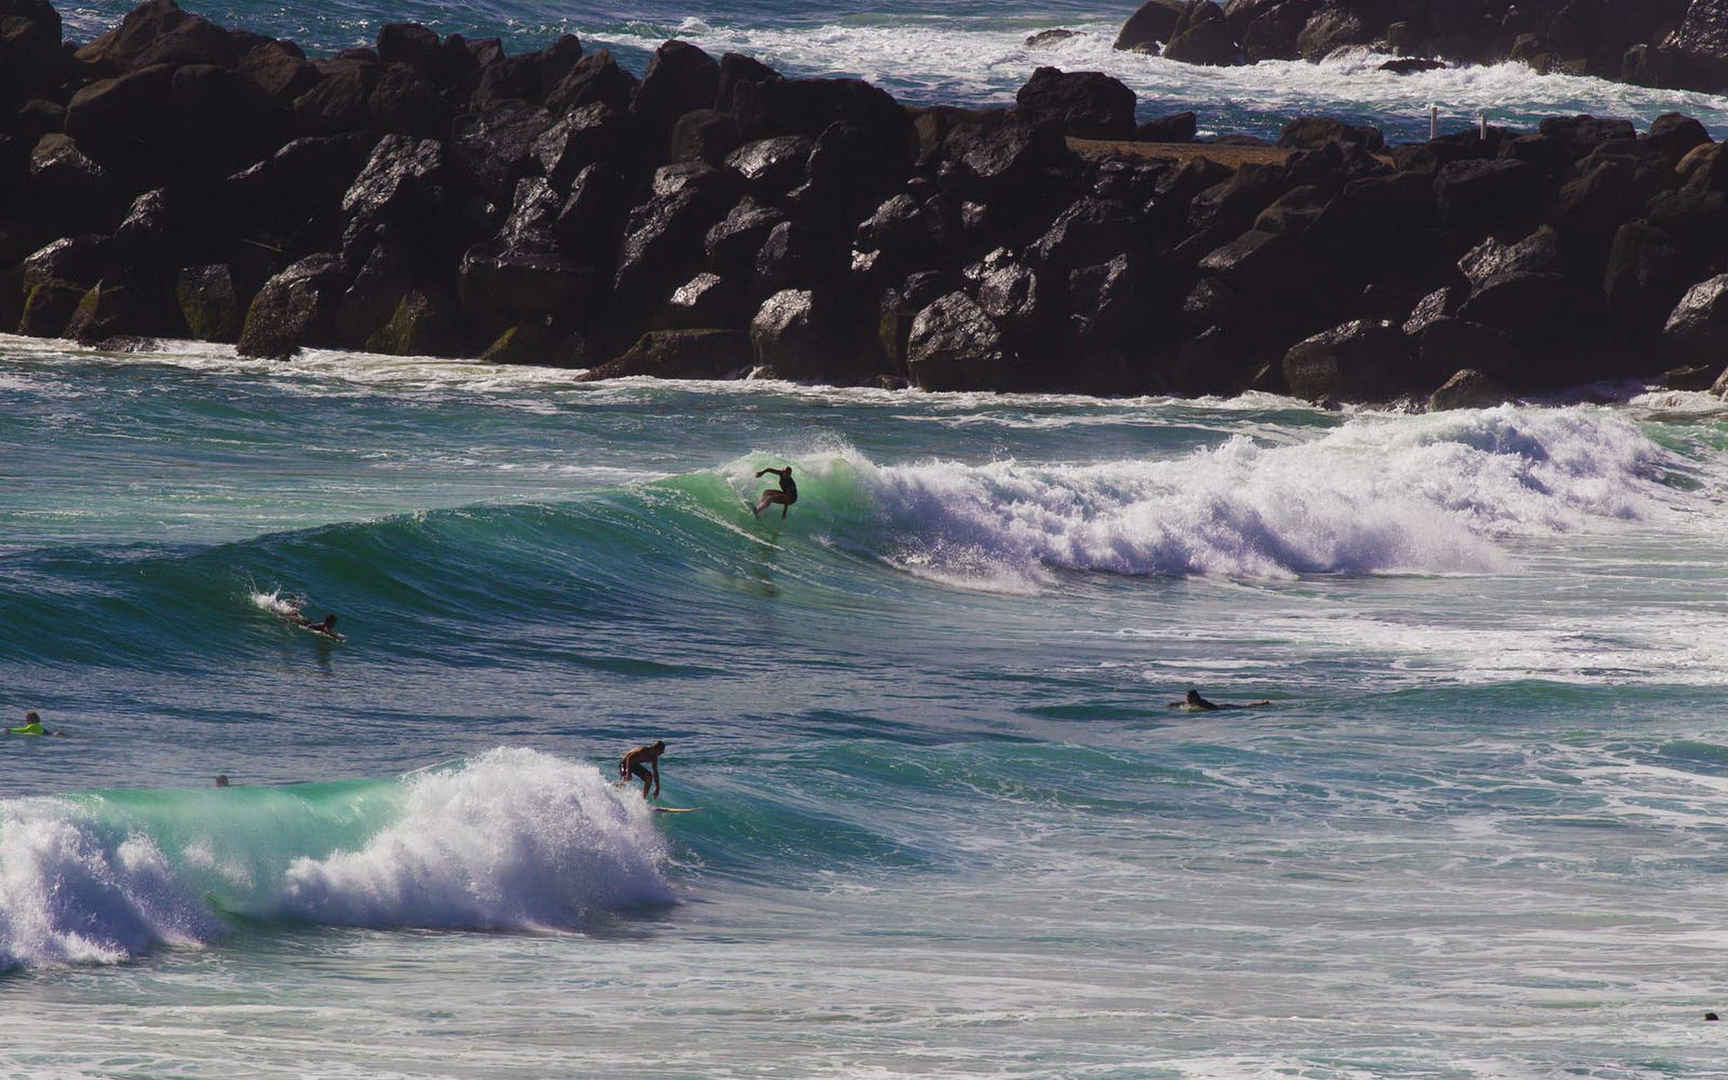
point(947, 824)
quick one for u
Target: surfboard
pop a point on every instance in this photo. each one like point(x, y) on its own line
point(676, 809)
point(327, 635)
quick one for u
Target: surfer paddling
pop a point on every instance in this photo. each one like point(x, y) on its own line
point(325, 626)
point(786, 496)
point(643, 762)
point(1193, 702)
point(33, 726)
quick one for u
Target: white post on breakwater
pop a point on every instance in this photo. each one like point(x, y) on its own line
point(1433, 122)
point(1482, 125)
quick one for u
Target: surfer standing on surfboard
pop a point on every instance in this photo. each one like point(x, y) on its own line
point(643, 762)
point(786, 496)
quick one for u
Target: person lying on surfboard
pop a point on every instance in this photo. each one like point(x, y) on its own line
point(325, 626)
point(1193, 702)
point(643, 762)
point(786, 496)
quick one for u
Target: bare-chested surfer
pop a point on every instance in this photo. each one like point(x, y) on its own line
point(1193, 702)
point(786, 496)
point(643, 762)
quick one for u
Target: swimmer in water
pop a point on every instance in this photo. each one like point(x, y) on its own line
point(1193, 702)
point(786, 496)
point(33, 726)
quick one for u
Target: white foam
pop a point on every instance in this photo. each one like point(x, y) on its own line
point(516, 840)
point(1430, 494)
point(276, 603)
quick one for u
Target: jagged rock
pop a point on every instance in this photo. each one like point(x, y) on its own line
point(409, 43)
point(1111, 307)
point(71, 186)
point(405, 102)
point(703, 135)
point(680, 77)
point(48, 307)
point(421, 325)
point(1175, 128)
point(1150, 25)
point(1044, 39)
point(119, 49)
point(493, 150)
point(1330, 28)
point(595, 79)
point(1644, 276)
point(1695, 55)
point(1294, 211)
point(663, 238)
point(850, 172)
point(773, 165)
point(1090, 231)
point(1231, 205)
point(1438, 304)
point(1314, 132)
point(1411, 65)
point(530, 77)
point(705, 301)
point(581, 137)
point(954, 345)
point(593, 216)
point(1469, 389)
point(209, 303)
point(1697, 328)
point(735, 70)
point(1538, 252)
point(497, 287)
point(30, 55)
point(1676, 135)
point(790, 335)
point(81, 259)
point(1478, 196)
point(795, 256)
point(278, 74)
point(1582, 133)
point(400, 190)
point(337, 102)
point(1447, 344)
point(811, 106)
point(1087, 104)
point(533, 221)
point(122, 308)
point(292, 198)
point(294, 308)
point(1362, 360)
point(681, 354)
point(906, 233)
point(1690, 377)
point(1206, 41)
point(732, 243)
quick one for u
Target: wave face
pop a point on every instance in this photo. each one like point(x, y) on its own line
point(1438, 494)
point(939, 51)
point(513, 840)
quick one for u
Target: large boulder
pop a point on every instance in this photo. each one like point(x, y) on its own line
point(1332, 27)
point(680, 77)
point(1644, 276)
point(1314, 132)
point(954, 345)
point(1205, 39)
point(581, 137)
point(595, 79)
point(1088, 104)
point(296, 307)
point(1477, 196)
point(795, 334)
point(1697, 328)
point(1150, 25)
point(1469, 388)
point(773, 166)
point(210, 305)
point(338, 101)
point(494, 149)
point(30, 55)
point(1362, 360)
point(401, 197)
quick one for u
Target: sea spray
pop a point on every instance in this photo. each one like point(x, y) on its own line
point(514, 839)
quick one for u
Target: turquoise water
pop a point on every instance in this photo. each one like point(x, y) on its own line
point(948, 826)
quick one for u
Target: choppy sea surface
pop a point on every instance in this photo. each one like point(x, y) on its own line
point(947, 826)
point(969, 52)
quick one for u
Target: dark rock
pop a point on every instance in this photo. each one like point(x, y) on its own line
point(1469, 389)
point(773, 165)
point(1111, 305)
point(1438, 304)
point(36, 118)
point(372, 297)
point(908, 235)
point(1644, 276)
point(735, 70)
point(527, 78)
point(401, 189)
point(899, 306)
point(31, 58)
point(1294, 211)
point(1261, 264)
point(1151, 24)
point(539, 343)
point(1477, 196)
point(1090, 231)
point(1313, 132)
point(81, 260)
point(1704, 168)
point(1411, 65)
point(595, 79)
point(663, 238)
point(210, 305)
point(850, 172)
point(123, 308)
point(1332, 27)
point(493, 150)
point(1448, 344)
point(731, 244)
point(1676, 135)
point(533, 220)
point(706, 300)
point(795, 256)
point(1695, 377)
point(118, 50)
point(1695, 55)
point(294, 308)
point(681, 354)
point(70, 186)
point(1208, 42)
point(1043, 39)
point(1697, 328)
point(954, 345)
point(1233, 204)
point(405, 102)
point(278, 74)
point(581, 137)
point(1087, 104)
point(290, 200)
point(48, 307)
point(1364, 360)
point(1537, 253)
point(703, 135)
point(1175, 128)
point(421, 325)
point(1581, 133)
point(680, 77)
point(1541, 312)
point(592, 218)
point(793, 335)
point(810, 106)
point(411, 44)
point(338, 101)
point(501, 286)
point(1011, 293)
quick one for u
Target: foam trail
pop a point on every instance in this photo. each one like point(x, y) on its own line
point(1430, 494)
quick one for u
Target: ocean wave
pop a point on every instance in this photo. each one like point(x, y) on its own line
point(511, 840)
